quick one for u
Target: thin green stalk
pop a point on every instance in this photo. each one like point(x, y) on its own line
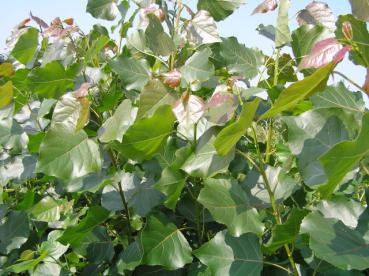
point(273, 201)
point(123, 198)
point(350, 81)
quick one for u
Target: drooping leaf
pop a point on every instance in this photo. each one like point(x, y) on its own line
point(26, 46)
point(75, 234)
point(164, 244)
point(158, 40)
point(220, 9)
point(145, 137)
point(197, 68)
point(336, 243)
point(283, 33)
point(324, 52)
point(67, 154)
point(360, 8)
point(266, 6)
point(115, 126)
point(343, 157)
point(104, 9)
point(296, 92)
point(51, 81)
point(227, 255)
point(230, 135)
point(317, 13)
point(132, 72)
point(230, 205)
point(6, 94)
point(153, 95)
point(202, 29)
point(287, 232)
point(14, 231)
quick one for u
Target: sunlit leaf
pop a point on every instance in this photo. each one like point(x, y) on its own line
point(104, 9)
point(317, 13)
point(220, 9)
point(266, 6)
point(25, 49)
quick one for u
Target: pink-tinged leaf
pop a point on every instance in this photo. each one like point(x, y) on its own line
point(266, 6)
point(366, 83)
point(57, 30)
point(347, 30)
point(152, 9)
point(317, 13)
point(189, 109)
point(324, 52)
point(39, 21)
point(172, 78)
point(82, 91)
point(221, 106)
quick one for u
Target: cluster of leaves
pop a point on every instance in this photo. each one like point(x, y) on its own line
point(175, 151)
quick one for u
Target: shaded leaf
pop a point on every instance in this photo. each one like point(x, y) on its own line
point(360, 8)
point(283, 33)
point(163, 244)
point(230, 205)
point(227, 255)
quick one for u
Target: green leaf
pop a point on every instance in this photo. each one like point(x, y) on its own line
point(130, 258)
point(198, 68)
point(239, 60)
point(280, 183)
point(6, 94)
point(283, 33)
point(305, 37)
point(360, 53)
point(14, 231)
point(26, 46)
point(343, 157)
point(227, 255)
point(51, 81)
point(312, 134)
point(220, 9)
point(339, 96)
point(104, 9)
point(47, 209)
point(298, 91)
point(27, 265)
point(52, 247)
point(133, 73)
point(229, 204)
point(287, 232)
point(205, 162)
point(146, 136)
point(75, 234)
point(154, 95)
point(163, 244)
point(336, 243)
point(67, 154)
point(115, 126)
point(340, 207)
point(6, 69)
point(360, 8)
point(171, 184)
point(157, 40)
point(230, 135)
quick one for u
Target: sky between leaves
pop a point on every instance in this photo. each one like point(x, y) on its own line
point(241, 24)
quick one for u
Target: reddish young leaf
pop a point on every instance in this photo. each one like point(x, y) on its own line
point(172, 78)
point(266, 6)
point(317, 13)
point(324, 52)
point(82, 91)
point(189, 109)
point(366, 83)
point(39, 21)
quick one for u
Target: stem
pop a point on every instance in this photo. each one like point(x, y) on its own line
point(273, 201)
point(175, 30)
point(123, 198)
point(277, 265)
point(350, 81)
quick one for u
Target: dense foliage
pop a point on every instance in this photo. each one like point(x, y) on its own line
point(175, 151)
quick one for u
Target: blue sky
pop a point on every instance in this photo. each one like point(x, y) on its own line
point(240, 24)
